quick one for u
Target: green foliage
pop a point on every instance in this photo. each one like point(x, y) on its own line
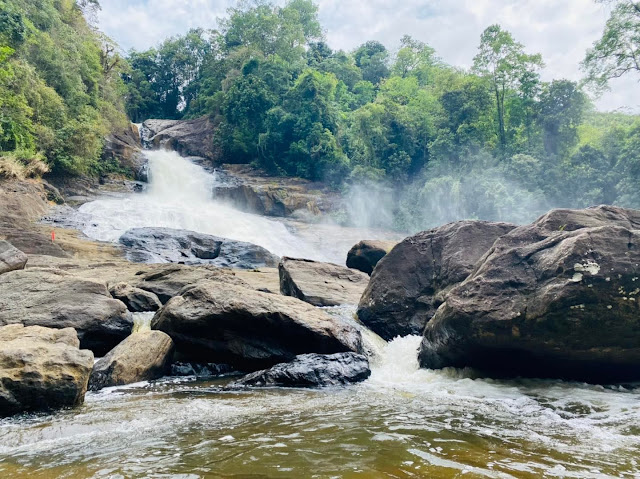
point(60, 87)
point(617, 53)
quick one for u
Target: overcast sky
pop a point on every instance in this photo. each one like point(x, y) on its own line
point(559, 29)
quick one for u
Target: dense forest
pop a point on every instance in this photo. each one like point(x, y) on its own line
point(443, 143)
point(61, 90)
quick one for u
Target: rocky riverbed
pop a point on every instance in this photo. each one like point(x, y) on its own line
point(239, 302)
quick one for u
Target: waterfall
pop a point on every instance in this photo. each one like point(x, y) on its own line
point(180, 196)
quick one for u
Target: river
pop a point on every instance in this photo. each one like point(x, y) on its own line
point(403, 422)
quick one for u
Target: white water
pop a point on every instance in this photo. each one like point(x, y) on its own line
point(180, 196)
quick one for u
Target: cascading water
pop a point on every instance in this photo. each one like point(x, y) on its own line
point(180, 196)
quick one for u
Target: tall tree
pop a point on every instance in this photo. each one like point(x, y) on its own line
point(617, 53)
point(372, 59)
point(504, 62)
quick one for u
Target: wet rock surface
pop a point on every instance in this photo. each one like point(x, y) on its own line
point(55, 299)
point(321, 284)
point(11, 259)
point(557, 298)
point(365, 255)
point(135, 299)
point(41, 369)
point(188, 137)
point(311, 371)
point(153, 245)
point(410, 283)
point(202, 370)
point(225, 323)
point(143, 356)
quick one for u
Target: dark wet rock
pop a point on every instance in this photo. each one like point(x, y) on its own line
point(187, 137)
point(311, 371)
point(11, 259)
point(557, 298)
point(55, 299)
point(143, 356)
point(202, 370)
point(321, 284)
point(168, 281)
point(410, 283)
point(41, 369)
point(224, 323)
point(137, 300)
point(367, 254)
point(153, 245)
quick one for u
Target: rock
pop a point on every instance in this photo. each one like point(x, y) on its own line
point(321, 284)
point(225, 323)
point(137, 300)
point(311, 371)
point(41, 369)
point(168, 281)
point(125, 148)
point(410, 282)
point(55, 299)
point(11, 258)
point(188, 137)
point(143, 356)
point(365, 255)
point(557, 298)
point(254, 191)
point(202, 370)
point(153, 245)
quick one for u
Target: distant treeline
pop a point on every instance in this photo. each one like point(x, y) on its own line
point(284, 100)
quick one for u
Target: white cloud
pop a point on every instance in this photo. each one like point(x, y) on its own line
point(561, 31)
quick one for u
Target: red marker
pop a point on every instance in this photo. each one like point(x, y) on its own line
point(53, 236)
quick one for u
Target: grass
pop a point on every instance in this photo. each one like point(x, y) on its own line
point(21, 165)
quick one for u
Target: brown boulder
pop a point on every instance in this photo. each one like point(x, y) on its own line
point(41, 368)
point(224, 323)
point(557, 298)
point(11, 258)
point(143, 356)
point(137, 300)
point(321, 284)
point(367, 254)
point(410, 282)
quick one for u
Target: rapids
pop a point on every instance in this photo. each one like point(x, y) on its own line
point(403, 422)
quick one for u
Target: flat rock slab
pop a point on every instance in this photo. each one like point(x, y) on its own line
point(41, 369)
point(557, 298)
point(409, 284)
point(159, 245)
point(11, 259)
point(321, 284)
point(55, 299)
point(311, 371)
point(216, 322)
point(143, 356)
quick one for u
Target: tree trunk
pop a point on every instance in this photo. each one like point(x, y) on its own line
point(500, 107)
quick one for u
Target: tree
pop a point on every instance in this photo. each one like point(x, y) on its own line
point(372, 58)
point(503, 61)
point(414, 58)
point(617, 53)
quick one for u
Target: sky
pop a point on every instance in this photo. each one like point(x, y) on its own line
point(561, 30)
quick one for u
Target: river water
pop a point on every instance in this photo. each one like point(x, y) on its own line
point(403, 422)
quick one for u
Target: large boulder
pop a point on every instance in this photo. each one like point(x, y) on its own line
point(125, 147)
point(409, 284)
point(135, 299)
point(188, 137)
point(367, 254)
point(557, 298)
point(168, 281)
point(224, 323)
point(321, 284)
point(159, 245)
point(311, 371)
point(11, 259)
point(143, 356)
point(55, 299)
point(41, 369)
